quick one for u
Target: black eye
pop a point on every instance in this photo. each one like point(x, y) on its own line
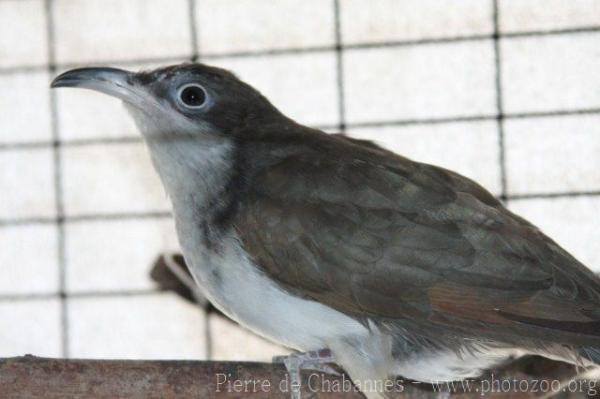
point(192, 96)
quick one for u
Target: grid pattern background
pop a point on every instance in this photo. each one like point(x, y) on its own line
point(504, 91)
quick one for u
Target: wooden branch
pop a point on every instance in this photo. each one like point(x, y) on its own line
point(36, 377)
point(168, 281)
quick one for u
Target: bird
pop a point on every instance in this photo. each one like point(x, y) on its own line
point(345, 251)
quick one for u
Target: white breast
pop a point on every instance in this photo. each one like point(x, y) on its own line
point(237, 287)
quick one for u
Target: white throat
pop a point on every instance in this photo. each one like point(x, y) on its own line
point(192, 165)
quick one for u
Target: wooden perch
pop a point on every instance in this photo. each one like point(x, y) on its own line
point(35, 377)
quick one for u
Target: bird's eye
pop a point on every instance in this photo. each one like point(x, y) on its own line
point(192, 95)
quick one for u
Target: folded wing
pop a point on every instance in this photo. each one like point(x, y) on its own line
point(380, 237)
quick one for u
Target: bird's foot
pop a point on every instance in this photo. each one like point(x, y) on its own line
point(295, 363)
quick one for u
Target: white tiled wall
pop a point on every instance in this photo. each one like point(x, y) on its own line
point(28, 255)
point(31, 326)
point(24, 101)
point(110, 178)
point(548, 73)
point(108, 255)
point(107, 30)
point(549, 155)
point(540, 15)
point(22, 33)
point(27, 184)
point(391, 20)
point(156, 326)
point(110, 117)
point(416, 82)
point(248, 25)
point(417, 76)
point(302, 85)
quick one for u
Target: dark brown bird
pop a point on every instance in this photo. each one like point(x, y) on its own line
point(317, 241)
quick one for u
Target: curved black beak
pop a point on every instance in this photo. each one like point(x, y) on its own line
point(112, 81)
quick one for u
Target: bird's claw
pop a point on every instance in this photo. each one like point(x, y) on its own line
point(312, 360)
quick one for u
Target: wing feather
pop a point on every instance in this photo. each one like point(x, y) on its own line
point(378, 236)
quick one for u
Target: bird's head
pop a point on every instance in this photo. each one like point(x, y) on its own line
point(192, 117)
point(192, 100)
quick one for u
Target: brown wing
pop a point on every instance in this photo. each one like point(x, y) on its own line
point(378, 236)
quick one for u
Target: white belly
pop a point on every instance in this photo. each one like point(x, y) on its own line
point(448, 365)
point(237, 287)
point(234, 285)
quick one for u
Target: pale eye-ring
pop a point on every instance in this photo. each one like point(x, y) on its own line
point(192, 96)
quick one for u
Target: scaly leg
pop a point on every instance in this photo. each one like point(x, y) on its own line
point(312, 360)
